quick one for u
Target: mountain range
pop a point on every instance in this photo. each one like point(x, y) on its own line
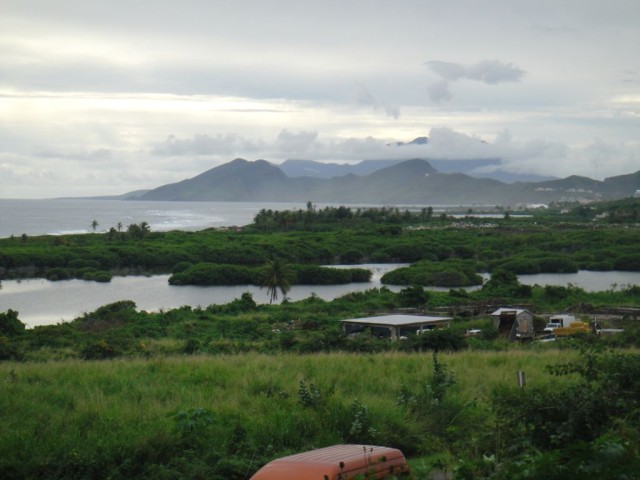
point(412, 182)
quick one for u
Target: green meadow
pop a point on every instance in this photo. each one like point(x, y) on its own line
point(223, 416)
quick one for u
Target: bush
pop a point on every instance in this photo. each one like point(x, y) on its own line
point(630, 263)
point(556, 293)
point(107, 316)
point(99, 350)
point(182, 266)
point(448, 273)
point(9, 350)
point(316, 275)
point(213, 274)
point(414, 296)
point(10, 326)
point(59, 273)
point(351, 256)
point(439, 339)
point(505, 284)
point(572, 423)
point(98, 276)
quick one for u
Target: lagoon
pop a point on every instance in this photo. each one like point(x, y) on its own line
point(42, 302)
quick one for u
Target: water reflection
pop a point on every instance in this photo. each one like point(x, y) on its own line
point(41, 302)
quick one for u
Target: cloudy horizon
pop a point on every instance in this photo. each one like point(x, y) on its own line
point(101, 98)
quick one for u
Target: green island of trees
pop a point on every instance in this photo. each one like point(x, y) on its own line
point(217, 391)
point(447, 252)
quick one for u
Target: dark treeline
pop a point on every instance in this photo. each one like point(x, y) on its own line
point(222, 274)
point(330, 218)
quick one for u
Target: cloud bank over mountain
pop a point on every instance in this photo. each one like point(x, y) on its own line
point(104, 97)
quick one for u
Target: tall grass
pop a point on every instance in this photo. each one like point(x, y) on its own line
point(89, 416)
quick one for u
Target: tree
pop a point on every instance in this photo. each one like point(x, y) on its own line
point(276, 276)
point(145, 228)
point(413, 296)
point(429, 213)
point(10, 325)
point(94, 225)
point(138, 231)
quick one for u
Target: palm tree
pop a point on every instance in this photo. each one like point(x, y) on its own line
point(276, 277)
point(145, 228)
point(94, 225)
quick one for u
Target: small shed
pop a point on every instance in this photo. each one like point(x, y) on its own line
point(513, 323)
point(394, 326)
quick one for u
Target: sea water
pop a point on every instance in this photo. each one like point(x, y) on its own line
point(65, 216)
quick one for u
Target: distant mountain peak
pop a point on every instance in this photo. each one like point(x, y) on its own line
point(413, 181)
point(415, 141)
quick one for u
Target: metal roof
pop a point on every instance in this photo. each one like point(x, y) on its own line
point(518, 311)
point(397, 320)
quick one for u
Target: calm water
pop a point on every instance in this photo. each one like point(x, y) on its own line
point(41, 302)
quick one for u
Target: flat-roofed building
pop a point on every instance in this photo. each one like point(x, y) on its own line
point(394, 326)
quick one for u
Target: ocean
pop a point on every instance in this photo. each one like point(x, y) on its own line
point(66, 216)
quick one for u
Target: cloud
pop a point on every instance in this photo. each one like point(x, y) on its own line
point(202, 144)
point(96, 155)
point(296, 143)
point(439, 91)
point(365, 97)
point(491, 72)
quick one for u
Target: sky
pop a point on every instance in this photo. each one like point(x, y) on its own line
point(105, 97)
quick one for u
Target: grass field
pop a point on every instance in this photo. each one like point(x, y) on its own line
point(112, 418)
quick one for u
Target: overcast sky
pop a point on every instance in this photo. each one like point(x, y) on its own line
point(104, 97)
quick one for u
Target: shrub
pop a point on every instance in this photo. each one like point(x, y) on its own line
point(182, 266)
point(587, 429)
point(9, 350)
point(316, 275)
point(439, 339)
point(59, 273)
point(414, 296)
point(629, 263)
point(99, 350)
point(505, 283)
point(448, 273)
point(10, 325)
point(213, 274)
point(351, 256)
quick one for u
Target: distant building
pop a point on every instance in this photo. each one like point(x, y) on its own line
point(394, 326)
point(537, 206)
point(637, 194)
point(513, 323)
